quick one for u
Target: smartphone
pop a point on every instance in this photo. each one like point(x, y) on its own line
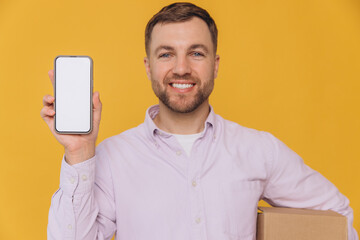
point(73, 94)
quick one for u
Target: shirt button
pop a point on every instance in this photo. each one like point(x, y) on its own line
point(194, 183)
point(214, 136)
point(198, 220)
point(84, 177)
point(69, 227)
point(72, 180)
point(178, 153)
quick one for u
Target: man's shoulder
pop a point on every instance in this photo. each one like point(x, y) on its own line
point(233, 127)
point(126, 138)
point(243, 134)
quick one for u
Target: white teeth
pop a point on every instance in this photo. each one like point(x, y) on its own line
point(182, 86)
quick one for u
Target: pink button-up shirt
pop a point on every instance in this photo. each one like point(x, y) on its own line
point(141, 185)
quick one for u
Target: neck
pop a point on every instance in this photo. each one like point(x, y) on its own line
point(182, 123)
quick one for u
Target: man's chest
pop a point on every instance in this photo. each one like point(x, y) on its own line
point(211, 192)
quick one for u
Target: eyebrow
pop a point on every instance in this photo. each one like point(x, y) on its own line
point(202, 46)
point(192, 47)
point(161, 47)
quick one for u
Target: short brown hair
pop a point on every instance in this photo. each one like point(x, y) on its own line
point(180, 12)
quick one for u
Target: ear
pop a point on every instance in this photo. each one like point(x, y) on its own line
point(216, 67)
point(147, 67)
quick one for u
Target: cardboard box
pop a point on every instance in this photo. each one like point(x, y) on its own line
point(300, 224)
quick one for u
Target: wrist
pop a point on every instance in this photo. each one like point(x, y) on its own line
point(79, 155)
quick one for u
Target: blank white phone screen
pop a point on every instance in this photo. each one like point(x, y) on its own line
point(73, 93)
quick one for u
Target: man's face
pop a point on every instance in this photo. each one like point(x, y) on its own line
point(182, 64)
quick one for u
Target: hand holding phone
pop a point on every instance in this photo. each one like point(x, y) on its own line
point(78, 147)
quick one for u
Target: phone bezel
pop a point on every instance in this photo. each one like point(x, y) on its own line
point(91, 94)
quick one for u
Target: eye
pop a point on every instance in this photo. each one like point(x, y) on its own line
point(164, 55)
point(198, 54)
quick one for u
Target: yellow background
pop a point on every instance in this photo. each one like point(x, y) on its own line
point(288, 67)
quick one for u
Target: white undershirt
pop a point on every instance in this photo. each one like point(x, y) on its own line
point(187, 141)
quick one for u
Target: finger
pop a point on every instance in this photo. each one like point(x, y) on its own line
point(51, 76)
point(48, 116)
point(48, 100)
point(96, 100)
point(47, 112)
point(97, 105)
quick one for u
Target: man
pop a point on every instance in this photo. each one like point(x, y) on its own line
point(185, 173)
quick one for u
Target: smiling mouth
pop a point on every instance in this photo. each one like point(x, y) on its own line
point(182, 85)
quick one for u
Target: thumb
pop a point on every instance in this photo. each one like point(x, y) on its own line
point(97, 106)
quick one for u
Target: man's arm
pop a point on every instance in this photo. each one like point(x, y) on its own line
point(291, 183)
point(81, 208)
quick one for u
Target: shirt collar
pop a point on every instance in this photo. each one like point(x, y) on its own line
point(153, 130)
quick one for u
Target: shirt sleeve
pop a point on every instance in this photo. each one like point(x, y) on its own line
point(291, 183)
point(83, 206)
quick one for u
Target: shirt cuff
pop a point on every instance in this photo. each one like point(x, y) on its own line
point(78, 178)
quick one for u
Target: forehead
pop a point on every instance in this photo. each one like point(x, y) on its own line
point(181, 34)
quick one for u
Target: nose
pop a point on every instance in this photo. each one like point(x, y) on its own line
point(182, 66)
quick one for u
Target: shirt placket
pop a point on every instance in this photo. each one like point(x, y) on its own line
point(197, 213)
point(178, 157)
point(192, 165)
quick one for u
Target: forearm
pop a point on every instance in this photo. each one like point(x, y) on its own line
point(313, 191)
point(291, 183)
point(74, 211)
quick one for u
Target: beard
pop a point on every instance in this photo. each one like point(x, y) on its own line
point(183, 103)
